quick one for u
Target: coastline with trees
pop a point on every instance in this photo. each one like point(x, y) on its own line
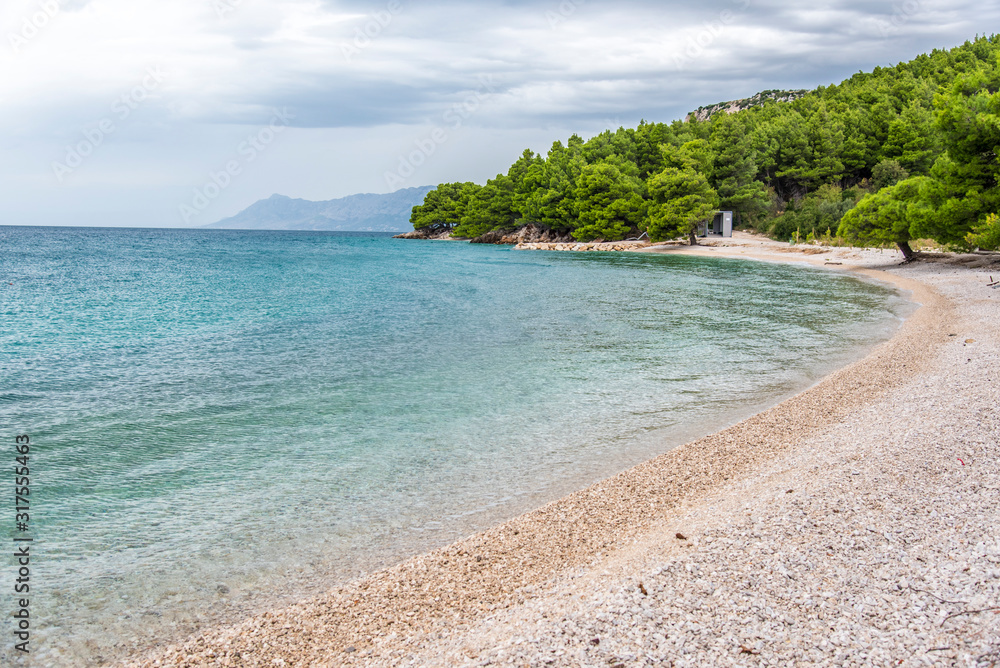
point(885, 157)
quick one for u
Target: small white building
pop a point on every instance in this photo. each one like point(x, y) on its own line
point(721, 225)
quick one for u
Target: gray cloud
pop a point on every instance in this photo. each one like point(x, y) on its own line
point(367, 79)
point(651, 58)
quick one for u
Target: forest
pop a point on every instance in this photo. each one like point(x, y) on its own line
point(886, 157)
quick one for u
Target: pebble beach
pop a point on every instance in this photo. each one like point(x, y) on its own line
point(854, 524)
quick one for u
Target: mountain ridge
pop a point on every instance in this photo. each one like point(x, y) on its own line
point(363, 212)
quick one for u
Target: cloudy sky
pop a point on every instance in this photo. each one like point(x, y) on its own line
point(151, 113)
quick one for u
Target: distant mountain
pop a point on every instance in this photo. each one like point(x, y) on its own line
point(365, 213)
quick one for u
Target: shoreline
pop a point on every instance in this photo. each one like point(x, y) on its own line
point(872, 542)
point(430, 603)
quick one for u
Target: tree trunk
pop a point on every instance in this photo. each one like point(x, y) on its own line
point(692, 239)
point(908, 254)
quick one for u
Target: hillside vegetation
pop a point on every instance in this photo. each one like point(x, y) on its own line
point(884, 157)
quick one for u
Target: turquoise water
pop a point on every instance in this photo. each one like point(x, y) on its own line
point(226, 420)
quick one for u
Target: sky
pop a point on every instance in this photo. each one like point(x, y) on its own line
point(146, 113)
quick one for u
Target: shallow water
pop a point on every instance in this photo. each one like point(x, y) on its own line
point(227, 420)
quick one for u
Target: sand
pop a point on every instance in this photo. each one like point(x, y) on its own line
point(853, 524)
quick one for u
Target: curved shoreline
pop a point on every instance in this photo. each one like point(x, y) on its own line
point(434, 596)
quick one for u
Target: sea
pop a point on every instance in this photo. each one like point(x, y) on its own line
point(221, 422)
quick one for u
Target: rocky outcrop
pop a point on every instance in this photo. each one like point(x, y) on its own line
point(735, 106)
point(426, 233)
point(523, 235)
point(605, 246)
